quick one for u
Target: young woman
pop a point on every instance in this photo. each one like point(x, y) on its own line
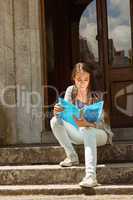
point(90, 134)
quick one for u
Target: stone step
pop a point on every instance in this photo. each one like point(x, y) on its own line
point(54, 154)
point(64, 189)
point(54, 174)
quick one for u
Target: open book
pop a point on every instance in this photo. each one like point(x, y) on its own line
point(91, 113)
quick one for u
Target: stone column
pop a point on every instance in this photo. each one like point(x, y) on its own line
point(7, 75)
point(28, 70)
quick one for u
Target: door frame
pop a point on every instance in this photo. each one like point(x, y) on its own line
point(44, 62)
point(102, 37)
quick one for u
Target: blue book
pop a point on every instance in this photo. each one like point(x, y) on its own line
point(91, 113)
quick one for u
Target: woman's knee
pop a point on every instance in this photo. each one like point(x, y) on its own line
point(54, 122)
point(101, 137)
point(88, 132)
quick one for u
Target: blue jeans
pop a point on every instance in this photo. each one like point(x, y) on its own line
point(91, 137)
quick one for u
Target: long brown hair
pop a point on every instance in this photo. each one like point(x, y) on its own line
point(86, 67)
point(89, 67)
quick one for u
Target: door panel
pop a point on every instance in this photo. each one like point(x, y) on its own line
point(122, 103)
point(121, 74)
point(119, 33)
point(120, 61)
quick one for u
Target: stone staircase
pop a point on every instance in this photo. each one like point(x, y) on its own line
point(35, 170)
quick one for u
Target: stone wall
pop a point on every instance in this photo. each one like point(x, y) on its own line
point(20, 68)
point(7, 73)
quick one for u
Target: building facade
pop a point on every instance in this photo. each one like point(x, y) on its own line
point(40, 41)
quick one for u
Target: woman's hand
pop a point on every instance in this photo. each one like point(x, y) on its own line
point(83, 122)
point(57, 109)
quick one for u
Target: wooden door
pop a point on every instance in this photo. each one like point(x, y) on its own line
point(120, 44)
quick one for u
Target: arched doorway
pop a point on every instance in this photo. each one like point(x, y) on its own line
point(63, 22)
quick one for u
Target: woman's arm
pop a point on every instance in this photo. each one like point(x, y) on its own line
point(68, 94)
point(57, 109)
point(67, 97)
point(83, 123)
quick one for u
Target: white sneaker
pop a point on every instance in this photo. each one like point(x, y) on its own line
point(68, 162)
point(88, 182)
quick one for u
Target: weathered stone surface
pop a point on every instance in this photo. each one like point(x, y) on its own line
point(6, 6)
point(110, 153)
point(28, 71)
point(66, 190)
point(37, 97)
point(7, 74)
point(1, 36)
point(126, 133)
point(20, 65)
point(34, 11)
point(8, 31)
point(21, 13)
point(54, 174)
point(48, 138)
point(54, 154)
point(23, 80)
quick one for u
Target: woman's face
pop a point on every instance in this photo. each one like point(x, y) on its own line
point(82, 80)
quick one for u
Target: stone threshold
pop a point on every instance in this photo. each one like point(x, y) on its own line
point(64, 189)
point(54, 154)
point(121, 173)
